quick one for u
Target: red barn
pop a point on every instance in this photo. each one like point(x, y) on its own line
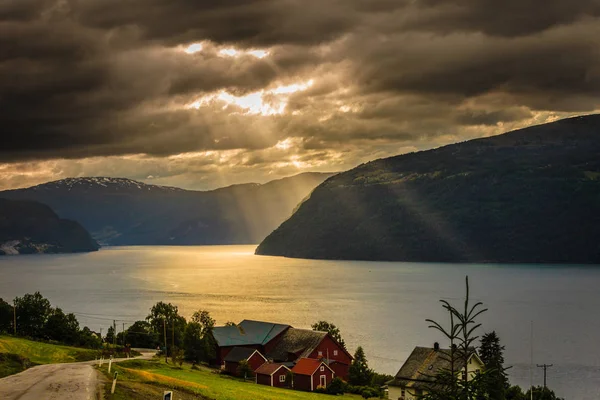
point(238, 354)
point(255, 335)
point(310, 374)
point(282, 343)
point(295, 344)
point(272, 374)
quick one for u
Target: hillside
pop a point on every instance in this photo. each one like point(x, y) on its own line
point(28, 227)
point(530, 196)
point(17, 354)
point(120, 211)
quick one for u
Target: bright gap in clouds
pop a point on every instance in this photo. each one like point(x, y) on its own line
point(231, 52)
point(226, 51)
point(194, 48)
point(264, 102)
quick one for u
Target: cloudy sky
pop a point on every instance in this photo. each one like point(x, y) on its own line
point(204, 93)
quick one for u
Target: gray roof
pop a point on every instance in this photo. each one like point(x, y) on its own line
point(422, 366)
point(247, 332)
point(300, 342)
point(238, 354)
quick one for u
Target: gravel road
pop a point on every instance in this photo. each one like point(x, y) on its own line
point(72, 381)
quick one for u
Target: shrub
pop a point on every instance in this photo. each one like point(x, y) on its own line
point(369, 392)
point(321, 389)
point(336, 386)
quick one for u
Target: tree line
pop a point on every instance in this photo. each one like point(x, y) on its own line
point(37, 319)
point(182, 340)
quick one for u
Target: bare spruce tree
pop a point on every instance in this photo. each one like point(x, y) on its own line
point(454, 382)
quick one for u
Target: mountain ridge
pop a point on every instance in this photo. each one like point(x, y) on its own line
point(529, 195)
point(122, 211)
point(28, 227)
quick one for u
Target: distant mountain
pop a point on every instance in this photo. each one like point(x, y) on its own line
point(29, 227)
point(531, 196)
point(120, 211)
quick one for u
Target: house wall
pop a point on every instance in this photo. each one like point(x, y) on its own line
point(280, 372)
point(473, 366)
point(328, 344)
point(302, 382)
point(264, 379)
point(316, 378)
point(256, 361)
point(340, 370)
point(231, 367)
point(223, 351)
point(395, 393)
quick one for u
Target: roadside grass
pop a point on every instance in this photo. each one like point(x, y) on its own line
point(12, 364)
point(205, 383)
point(144, 391)
point(44, 353)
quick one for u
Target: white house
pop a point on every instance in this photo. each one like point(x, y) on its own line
point(422, 366)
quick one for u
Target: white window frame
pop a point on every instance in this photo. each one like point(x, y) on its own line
point(281, 378)
point(335, 352)
point(322, 369)
point(320, 353)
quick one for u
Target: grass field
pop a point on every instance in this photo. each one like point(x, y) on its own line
point(37, 353)
point(202, 382)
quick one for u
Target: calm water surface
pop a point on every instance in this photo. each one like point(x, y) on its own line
point(381, 306)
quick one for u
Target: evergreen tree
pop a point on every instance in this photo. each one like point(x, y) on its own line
point(455, 383)
point(110, 335)
point(359, 373)
point(491, 353)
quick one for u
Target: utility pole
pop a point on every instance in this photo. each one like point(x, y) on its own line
point(123, 332)
point(165, 334)
point(115, 332)
point(531, 365)
point(545, 367)
point(15, 317)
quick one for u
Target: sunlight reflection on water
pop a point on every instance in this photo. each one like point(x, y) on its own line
point(382, 306)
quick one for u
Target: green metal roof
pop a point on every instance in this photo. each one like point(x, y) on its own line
point(248, 332)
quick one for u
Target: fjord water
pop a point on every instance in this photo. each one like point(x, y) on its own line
point(379, 305)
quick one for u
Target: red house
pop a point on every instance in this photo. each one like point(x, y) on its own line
point(281, 343)
point(310, 374)
point(272, 374)
point(295, 344)
point(238, 354)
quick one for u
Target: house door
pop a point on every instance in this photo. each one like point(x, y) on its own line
point(323, 381)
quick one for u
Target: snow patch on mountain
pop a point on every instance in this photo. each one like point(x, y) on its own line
point(10, 247)
point(90, 183)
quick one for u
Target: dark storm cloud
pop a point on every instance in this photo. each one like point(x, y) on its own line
point(252, 22)
point(84, 78)
point(498, 18)
point(562, 62)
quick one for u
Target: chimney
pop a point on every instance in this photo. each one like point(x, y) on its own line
point(436, 346)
